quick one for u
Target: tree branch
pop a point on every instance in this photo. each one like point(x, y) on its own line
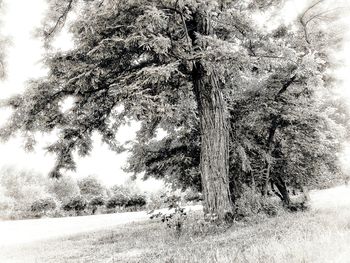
point(305, 23)
point(61, 19)
point(285, 86)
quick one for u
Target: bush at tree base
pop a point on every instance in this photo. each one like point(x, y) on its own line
point(175, 218)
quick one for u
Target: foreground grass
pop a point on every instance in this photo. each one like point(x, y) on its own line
point(314, 236)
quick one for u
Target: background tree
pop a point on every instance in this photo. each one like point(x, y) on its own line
point(117, 200)
point(91, 187)
point(77, 204)
point(19, 189)
point(95, 203)
point(63, 188)
point(21, 185)
point(126, 190)
point(126, 196)
point(136, 201)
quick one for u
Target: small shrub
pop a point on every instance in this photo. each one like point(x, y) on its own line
point(176, 218)
point(253, 204)
point(77, 204)
point(42, 206)
point(172, 201)
point(155, 201)
point(58, 212)
point(300, 203)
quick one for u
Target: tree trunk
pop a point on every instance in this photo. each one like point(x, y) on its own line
point(269, 149)
point(214, 126)
point(214, 164)
point(282, 188)
point(279, 182)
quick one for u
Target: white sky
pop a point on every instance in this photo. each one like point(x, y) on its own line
point(24, 55)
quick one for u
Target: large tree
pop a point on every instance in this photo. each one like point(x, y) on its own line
point(171, 64)
point(288, 130)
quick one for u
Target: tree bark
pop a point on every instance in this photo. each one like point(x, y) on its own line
point(279, 182)
point(214, 163)
point(214, 126)
point(269, 148)
point(282, 188)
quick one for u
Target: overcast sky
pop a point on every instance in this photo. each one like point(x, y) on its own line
point(24, 55)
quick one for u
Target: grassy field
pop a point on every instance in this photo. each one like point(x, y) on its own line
point(321, 235)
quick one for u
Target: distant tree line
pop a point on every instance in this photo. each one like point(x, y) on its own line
point(26, 194)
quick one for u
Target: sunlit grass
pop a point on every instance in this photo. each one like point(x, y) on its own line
point(314, 236)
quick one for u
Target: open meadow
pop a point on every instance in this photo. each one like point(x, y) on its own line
point(319, 235)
